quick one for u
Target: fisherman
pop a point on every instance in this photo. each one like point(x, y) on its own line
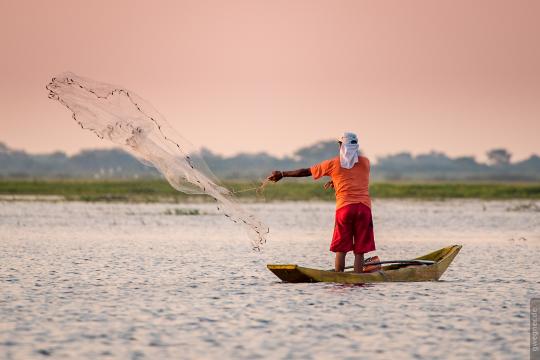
point(349, 173)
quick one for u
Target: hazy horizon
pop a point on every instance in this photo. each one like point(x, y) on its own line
point(460, 77)
point(373, 159)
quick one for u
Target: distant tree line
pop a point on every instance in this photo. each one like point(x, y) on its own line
point(116, 163)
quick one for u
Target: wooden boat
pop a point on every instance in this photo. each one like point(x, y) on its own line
point(389, 273)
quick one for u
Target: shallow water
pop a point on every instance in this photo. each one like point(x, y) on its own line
point(83, 280)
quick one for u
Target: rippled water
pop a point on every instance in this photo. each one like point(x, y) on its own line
point(85, 280)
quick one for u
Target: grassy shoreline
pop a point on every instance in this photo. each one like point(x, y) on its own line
point(161, 191)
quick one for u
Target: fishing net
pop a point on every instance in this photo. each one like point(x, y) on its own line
point(121, 116)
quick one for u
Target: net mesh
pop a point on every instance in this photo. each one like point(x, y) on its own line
point(127, 120)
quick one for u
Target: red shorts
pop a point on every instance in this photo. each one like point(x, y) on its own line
point(353, 230)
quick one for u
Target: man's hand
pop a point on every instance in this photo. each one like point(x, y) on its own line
point(329, 185)
point(276, 176)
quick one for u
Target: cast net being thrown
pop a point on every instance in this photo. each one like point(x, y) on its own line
point(121, 116)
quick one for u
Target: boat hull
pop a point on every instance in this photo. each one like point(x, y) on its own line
point(392, 273)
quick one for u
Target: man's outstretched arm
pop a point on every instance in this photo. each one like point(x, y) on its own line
point(278, 175)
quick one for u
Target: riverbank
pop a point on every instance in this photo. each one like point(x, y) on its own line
point(161, 191)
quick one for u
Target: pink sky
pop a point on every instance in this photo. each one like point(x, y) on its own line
point(456, 76)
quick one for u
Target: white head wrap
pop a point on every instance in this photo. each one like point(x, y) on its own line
point(348, 152)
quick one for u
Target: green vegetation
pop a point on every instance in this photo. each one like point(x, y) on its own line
point(457, 190)
point(160, 191)
point(93, 190)
point(182, 212)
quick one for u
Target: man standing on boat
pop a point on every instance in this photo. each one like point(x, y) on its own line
point(353, 230)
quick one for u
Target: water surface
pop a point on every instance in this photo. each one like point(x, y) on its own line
point(138, 281)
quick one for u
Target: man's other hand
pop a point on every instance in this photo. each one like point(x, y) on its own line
point(329, 185)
